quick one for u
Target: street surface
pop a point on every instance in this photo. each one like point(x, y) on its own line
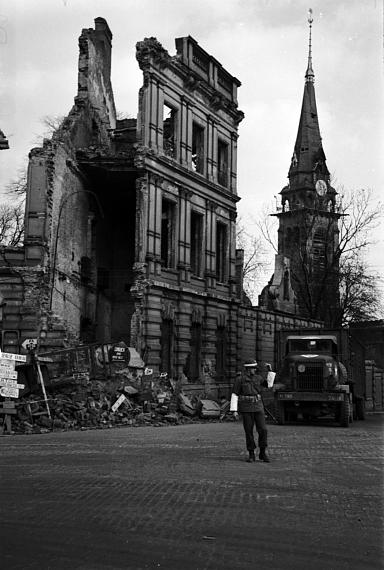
point(183, 498)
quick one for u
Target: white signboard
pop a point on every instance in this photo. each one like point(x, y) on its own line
point(4, 363)
point(8, 392)
point(29, 344)
point(11, 356)
point(10, 383)
point(118, 403)
point(8, 374)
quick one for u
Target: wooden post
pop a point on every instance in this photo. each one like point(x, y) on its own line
point(41, 379)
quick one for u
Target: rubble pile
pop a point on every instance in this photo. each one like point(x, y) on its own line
point(113, 403)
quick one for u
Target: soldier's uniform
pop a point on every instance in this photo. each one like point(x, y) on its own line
point(246, 399)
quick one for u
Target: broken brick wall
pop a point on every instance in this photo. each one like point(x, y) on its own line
point(60, 207)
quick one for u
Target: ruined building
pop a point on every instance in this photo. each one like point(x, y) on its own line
point(130, 224)
point(305, 281)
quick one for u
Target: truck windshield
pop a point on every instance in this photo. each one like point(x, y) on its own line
point(310, 345)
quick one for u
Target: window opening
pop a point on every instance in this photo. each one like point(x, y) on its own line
point(222, 163)
point(196, 243)
point(319, 245)
point(221, 353)
point(221, 251)
point(197, 148)
point(196, 349)
point(169, 131)
point(166, 346)
point(167, 233)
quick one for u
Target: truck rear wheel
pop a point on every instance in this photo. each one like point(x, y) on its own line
point(345, 412)
point(280, 412)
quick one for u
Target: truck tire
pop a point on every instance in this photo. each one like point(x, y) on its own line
point(280, 412)
point(360, 408)
point(345, 412)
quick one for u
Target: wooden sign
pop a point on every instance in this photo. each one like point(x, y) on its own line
point(10, 383)
point(8, 374)
point(12, 356)
point(8, 392)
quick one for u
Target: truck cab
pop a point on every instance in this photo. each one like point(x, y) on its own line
point(312, 381)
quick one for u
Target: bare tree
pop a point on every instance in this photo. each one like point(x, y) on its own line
point(11, 224)
point(360, 298)
point(255, 261)
point(331, 277)
point(18, 185)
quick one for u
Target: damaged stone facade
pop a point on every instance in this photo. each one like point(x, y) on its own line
point(130, 224)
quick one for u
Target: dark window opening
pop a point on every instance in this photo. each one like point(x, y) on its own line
point(196, 348)
point(222, 163)
point(167, 233)
point(221, 251)
point(166, 347)
point(221, 353)
point(85, 270)
point(286, 285)
point(318, 250)
point(197, 148)
point(169, 131)
point(102, 279)
point(196, 243)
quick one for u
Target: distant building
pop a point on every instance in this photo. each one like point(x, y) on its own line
point(4, 145)
point(305, 280)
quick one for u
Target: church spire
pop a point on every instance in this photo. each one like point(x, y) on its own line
point(308, 154)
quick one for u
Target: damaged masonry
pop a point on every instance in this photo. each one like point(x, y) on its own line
point(130, 225)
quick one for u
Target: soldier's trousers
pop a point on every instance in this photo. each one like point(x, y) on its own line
point(250, 419)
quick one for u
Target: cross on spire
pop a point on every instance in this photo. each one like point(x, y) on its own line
point(309, 75)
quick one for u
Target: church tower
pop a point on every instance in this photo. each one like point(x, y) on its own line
point(305, 281)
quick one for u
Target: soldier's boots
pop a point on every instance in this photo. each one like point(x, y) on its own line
point(251, 457)
point(263, 455)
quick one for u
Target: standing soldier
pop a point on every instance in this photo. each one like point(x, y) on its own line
point(246, 399)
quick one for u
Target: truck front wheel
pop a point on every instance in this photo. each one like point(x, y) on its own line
point(345, 412)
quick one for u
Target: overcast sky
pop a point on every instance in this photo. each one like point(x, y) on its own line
point(264, 43)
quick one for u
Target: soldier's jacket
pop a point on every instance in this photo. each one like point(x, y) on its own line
point(248, 389)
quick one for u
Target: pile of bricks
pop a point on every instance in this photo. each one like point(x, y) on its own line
point(100, 405)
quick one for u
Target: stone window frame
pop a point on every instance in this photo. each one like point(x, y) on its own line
point(171, 150)
point(168, 233)
point(199, 250)
point(221, 251)
point(223, 145)
point(201, 167)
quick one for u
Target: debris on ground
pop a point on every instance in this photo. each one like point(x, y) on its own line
point(97, 404)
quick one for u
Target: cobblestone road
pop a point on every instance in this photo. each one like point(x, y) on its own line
point(183, 498)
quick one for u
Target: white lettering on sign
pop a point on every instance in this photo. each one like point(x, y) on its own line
point(10, 383)
point(10, 364)
point(118, 403)
point(12, 356)
point(8, 392)
point(8, 374)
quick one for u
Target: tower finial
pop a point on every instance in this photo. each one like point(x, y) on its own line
point(309, 75)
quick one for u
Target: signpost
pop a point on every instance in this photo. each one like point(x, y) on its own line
point(9, 388)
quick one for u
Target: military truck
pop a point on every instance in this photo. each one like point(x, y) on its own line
point(320, 373)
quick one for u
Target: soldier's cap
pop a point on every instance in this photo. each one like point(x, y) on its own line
point(250, 364)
